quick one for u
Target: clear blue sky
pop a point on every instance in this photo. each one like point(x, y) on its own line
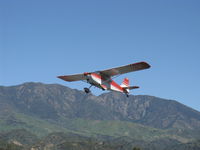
point(41, 39)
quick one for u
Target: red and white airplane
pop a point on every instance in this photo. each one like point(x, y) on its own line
point(103, 79)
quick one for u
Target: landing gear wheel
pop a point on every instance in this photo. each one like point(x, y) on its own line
point(87, 90)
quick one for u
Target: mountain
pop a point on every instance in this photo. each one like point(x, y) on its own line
point(53, 101)
point(44, 109)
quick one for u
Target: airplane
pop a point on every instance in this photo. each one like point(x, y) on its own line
point(103, 79)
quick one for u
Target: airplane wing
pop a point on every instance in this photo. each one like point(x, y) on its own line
point(125, 69)
point(75, 77)
point(109, 72)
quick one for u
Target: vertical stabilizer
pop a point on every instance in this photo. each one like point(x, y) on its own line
point(125, 83)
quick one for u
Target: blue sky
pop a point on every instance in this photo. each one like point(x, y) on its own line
point(42, 39)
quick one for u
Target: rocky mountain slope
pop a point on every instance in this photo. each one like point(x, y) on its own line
point(152, 111)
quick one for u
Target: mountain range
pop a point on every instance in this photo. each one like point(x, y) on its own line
point(36, 112)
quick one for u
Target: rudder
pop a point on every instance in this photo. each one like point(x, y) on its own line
point(125, 83)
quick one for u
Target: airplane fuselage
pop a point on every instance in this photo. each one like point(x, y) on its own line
point(104, 83)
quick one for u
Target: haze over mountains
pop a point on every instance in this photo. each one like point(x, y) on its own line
point(42, 109)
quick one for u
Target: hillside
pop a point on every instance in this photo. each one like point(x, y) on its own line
point(45, 109)
point(54, 101)
point(152, 111)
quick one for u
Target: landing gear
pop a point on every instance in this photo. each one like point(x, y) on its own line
point(127, 95)
point(87, 90)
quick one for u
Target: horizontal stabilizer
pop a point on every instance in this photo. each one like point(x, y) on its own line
point(131, 87)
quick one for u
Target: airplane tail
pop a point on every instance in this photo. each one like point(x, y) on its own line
point(125, 82)
point(126, 87)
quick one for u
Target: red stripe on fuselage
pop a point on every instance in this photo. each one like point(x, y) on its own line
point(113, 83)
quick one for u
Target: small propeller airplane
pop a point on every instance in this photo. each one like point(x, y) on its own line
point(103, 79)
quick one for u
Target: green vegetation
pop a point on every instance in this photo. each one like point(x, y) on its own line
point(90, 128)
point(84, 127)
point(114, 129)
point(136, 148)
point(9, 146)
point(35, 125)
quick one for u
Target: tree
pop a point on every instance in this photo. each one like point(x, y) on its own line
point(136, 148)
